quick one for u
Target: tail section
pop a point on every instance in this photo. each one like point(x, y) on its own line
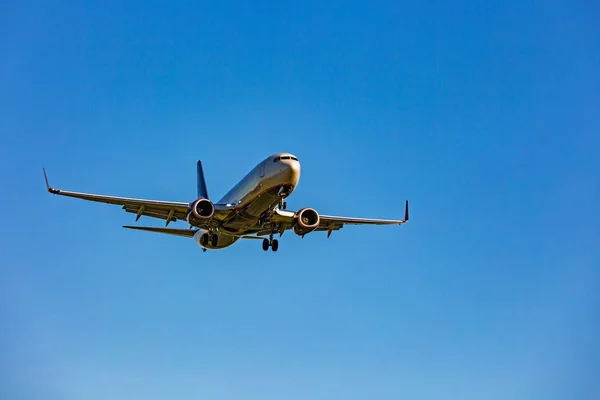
point(202, 191)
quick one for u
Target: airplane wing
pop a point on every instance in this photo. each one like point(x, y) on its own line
point(331, 223)
point(167, 210)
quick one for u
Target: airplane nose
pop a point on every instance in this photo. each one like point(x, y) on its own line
point(292, 171)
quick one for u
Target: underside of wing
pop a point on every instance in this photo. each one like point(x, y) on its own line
point(286, 219)
point(333, 220)
point(167, 210)
point(320, 228)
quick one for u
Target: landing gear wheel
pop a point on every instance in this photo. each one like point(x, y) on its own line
point(204, 239)
point(275, 245)
point(214, 240)
point(284, 205)
point(265, 244)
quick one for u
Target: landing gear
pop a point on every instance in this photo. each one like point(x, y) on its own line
point(282, 204)
point(206, 238)
point(272, 243)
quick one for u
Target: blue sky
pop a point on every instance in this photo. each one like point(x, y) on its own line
point(486, 116)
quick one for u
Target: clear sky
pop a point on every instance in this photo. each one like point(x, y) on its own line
point(485, 116)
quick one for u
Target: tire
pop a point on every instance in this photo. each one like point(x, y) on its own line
point(214, 240)
point(204, 239)
point(265, 244)
point(275, 245)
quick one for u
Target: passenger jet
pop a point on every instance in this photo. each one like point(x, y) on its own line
point(254, 209)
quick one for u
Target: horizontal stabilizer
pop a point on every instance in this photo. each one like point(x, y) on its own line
point(169, 231)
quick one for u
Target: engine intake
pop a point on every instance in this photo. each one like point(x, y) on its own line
point(200, 211)
point(307, 220)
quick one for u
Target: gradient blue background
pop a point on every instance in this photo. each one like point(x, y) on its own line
point(485, 116)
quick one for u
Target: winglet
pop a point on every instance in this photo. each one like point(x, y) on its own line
point(406, 212)
point(50, 189)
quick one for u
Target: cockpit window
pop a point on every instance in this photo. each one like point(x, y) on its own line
point(285, 158)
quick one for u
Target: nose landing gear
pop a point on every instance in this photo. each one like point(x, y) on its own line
point(282, 204)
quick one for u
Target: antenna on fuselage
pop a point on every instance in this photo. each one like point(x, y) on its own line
point(201, 182)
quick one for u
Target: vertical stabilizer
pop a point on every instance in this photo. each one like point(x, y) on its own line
point(202, 192)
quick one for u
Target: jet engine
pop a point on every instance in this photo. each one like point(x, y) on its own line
point(306, 221)
point(201, 210)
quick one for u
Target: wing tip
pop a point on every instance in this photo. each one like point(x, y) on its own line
point(48, 187)
point(406, 212)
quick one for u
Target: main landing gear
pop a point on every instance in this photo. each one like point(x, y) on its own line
point(206, 238)
point(273, 243)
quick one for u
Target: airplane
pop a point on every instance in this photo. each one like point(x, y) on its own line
point(255, 208)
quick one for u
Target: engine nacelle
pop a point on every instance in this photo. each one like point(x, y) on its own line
point(306, 221)
point(201, 210)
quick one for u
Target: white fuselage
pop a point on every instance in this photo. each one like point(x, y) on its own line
point(254, 197)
